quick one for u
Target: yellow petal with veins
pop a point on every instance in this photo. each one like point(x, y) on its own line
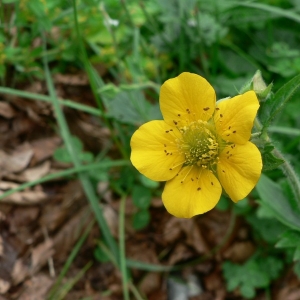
point(239, 169)
point(187, 98)
point(234, 117)
point(154, 151)
point(194, 191)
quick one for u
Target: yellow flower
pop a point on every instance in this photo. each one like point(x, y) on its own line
point(199, 146)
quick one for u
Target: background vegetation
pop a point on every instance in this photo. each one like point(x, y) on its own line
point(122, 51)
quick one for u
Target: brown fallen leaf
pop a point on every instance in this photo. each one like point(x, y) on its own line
point(36, 288)
point(112, 219)
point(180, 253)
point(150, 283)
point(72, 79)
point(43, 149)
point(239, 251)
point(4, 286)
point(6, 110)
point(38, 258)
point(16, 161)
point(30, 174)
point(193, 234)
point(27, 197)
point(35, 173)
point(64, 240)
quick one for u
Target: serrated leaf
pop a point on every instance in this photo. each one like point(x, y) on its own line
point(276, 103)
point(273, 198)
point(290, 238)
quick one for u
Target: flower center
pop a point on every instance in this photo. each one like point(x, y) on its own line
point(198, 144)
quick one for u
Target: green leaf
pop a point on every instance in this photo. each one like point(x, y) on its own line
point(297, 269)
point(273, 198)
point(276, 103)
point(290, 238)
point(268, 229)
point(247, 276)
point(141, 219)
point(271, 265)
point(141, 196)
point(297, 254)
point(148, 182)
point(131, 107)
point(223, 204)
point(247, 291)
point(270, 161)
point(100, 255)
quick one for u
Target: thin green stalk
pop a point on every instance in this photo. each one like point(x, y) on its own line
point(123, 268)
point(64, 173)
point(131, 286)
point(66, 102)
point(70, 283)
point(285, 130)
point(85, 58)
point(87, 186)
point(204, 61)
point(95, 80)
point(70, 259)
point(111, 30)
point(182, 46)
point(124, 4)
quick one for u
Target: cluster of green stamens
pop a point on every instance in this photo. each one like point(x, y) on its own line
point(198, 144)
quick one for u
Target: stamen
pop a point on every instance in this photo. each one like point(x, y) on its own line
point(188, 172)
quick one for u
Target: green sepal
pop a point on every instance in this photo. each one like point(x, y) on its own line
point(270, 161)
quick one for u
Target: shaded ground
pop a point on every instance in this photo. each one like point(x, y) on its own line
point(40, 226)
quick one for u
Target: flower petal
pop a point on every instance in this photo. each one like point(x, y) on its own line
point(239, 169)
point(186, 98)
point(154, 152)
point(234, 117)
point(199, 192)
